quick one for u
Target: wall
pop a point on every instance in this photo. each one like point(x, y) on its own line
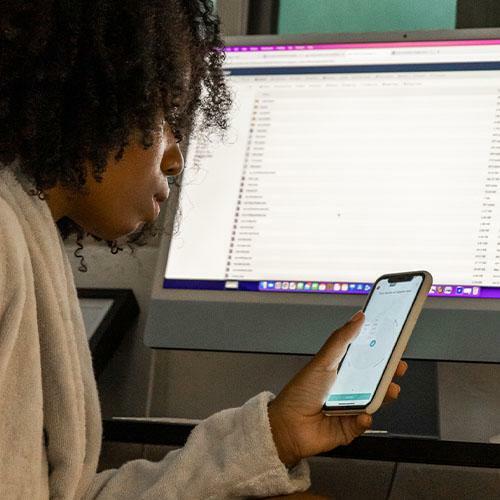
point(344, 16)
point(233, 16)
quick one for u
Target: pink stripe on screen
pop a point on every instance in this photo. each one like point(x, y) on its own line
point(355, 45)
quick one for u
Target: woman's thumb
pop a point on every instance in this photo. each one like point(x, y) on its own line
point(333, 350)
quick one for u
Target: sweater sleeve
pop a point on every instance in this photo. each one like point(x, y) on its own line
point(23, 470)
point(229, 455)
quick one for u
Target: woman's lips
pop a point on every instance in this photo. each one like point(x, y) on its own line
point(160, 197)
point(157, 206)
point(162, 194)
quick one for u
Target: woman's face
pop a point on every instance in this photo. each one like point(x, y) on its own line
point(125, 198)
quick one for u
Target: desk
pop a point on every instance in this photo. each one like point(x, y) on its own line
point(395, 448)
point(107, 314)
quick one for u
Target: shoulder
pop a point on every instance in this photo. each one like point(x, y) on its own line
point(10, 225)
point(14, 257)
point(13, 245)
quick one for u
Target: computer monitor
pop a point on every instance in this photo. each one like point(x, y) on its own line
point(348, 156)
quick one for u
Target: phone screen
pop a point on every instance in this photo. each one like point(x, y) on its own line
point(364, 363)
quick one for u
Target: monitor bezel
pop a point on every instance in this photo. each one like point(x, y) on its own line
point(319, 299)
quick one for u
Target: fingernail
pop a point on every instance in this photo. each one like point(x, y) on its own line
point(357, 317)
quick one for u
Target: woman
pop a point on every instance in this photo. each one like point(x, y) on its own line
point(94, 100)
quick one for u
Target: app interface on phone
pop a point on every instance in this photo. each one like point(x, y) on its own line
point(367, 357)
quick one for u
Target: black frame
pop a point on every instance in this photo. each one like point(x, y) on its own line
point(385, 448)
point(115, 324)
point(263, 17)
point(478, 14)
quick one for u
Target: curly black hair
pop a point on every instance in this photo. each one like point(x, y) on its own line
point(78, 77)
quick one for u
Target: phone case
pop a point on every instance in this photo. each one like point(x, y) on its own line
point(398, 349)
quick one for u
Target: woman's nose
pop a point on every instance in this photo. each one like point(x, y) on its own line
point(173, 162)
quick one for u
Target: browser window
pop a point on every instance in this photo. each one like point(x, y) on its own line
point(342, 162)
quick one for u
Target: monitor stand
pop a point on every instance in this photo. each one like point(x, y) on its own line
point(440, 334)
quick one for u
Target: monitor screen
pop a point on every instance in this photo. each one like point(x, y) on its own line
point(344, 162)
point(348, 156)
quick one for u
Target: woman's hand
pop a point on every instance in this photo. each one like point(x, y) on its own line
point(299, 427)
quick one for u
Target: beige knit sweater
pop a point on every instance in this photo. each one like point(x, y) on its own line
point(50, 422)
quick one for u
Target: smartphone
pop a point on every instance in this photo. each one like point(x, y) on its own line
point(368, 366)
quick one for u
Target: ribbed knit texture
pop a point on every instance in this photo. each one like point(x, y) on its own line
point(48, 390)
